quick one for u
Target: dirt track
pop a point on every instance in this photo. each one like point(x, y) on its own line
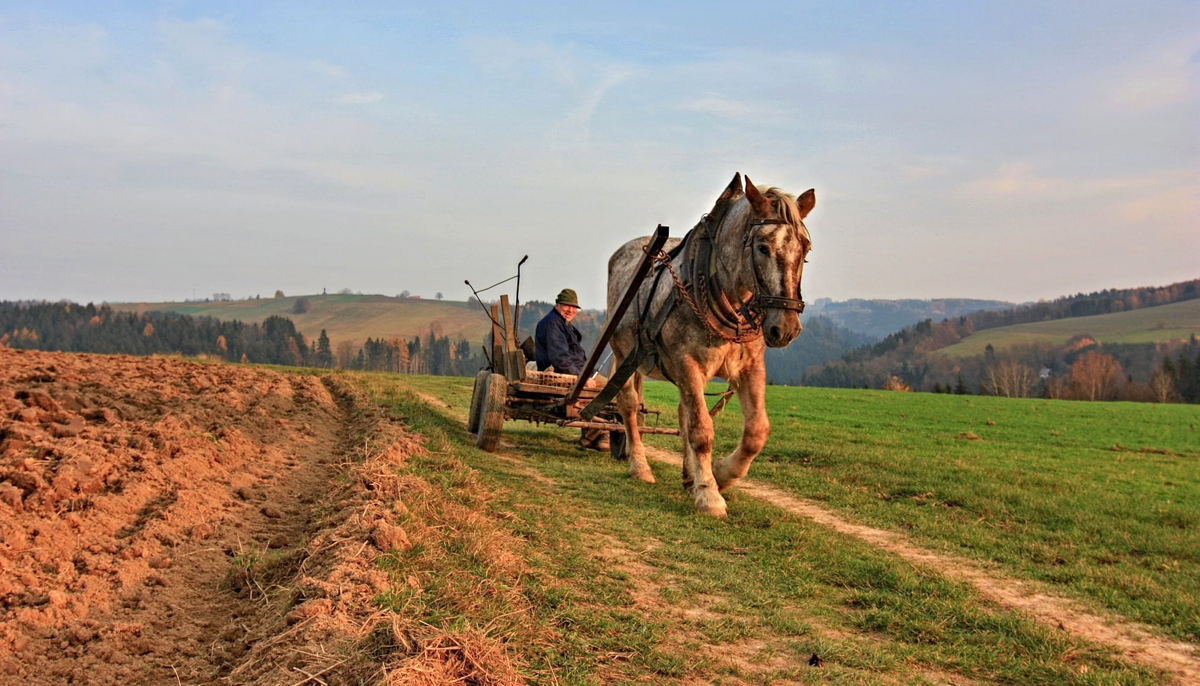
point(1136, 641)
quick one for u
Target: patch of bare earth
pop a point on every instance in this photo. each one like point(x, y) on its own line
point(165, 521)
point(1136, 641)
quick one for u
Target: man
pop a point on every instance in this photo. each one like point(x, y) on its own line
point(556, 346)
point(556, 340)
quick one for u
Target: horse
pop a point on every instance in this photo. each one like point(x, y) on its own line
point(733, 289)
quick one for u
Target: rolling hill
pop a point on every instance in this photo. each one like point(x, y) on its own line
point(344, 317)
point(1141, 328)
point(878, 318)
point(1161, 324)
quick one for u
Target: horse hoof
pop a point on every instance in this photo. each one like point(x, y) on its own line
point(710, 502)
point(724, 473)
point(642, 475)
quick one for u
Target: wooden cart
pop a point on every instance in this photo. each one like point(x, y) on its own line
point(507, 390)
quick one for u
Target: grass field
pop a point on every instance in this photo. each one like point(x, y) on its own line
point(344, 317)
point(1176, 321)
point(1043, 495)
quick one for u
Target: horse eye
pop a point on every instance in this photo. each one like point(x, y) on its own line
point(762, 250)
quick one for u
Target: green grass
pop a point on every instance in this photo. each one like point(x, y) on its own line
point(1101, 500)
point(344, 317)
point(1163, 323)
point(764, 582)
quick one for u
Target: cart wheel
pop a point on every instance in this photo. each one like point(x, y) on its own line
point(616, 444)
point(476, 397)
point(491, 412)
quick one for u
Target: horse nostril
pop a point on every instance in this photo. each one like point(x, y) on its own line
point(775, 333)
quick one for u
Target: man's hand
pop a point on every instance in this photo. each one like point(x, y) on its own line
point(591, 383)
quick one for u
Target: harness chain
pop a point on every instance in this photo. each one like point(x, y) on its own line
point(755, 325)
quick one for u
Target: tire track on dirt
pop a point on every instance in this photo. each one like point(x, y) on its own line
point(1136, 641)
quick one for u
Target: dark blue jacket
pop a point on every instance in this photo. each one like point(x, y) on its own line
point(557, 344)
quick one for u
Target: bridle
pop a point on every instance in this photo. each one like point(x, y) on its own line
point(701, 290)
point(758, 301)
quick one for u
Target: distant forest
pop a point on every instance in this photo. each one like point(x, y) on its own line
point(1148, 371)
point(821, 340)
point(879, 318)
point(69, 327)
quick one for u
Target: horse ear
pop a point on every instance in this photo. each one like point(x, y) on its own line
point(762, 206)
point(734, 186)
point(806, 202)
point(731, 191)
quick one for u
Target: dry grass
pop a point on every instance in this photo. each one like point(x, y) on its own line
point(337, 619)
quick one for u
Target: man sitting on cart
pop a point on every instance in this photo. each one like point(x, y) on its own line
point(557, 347)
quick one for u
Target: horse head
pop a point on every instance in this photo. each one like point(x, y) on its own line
point(772, 247)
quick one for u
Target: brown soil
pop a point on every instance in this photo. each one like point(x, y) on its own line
point(126, 487)
point(172, 522)
point(1136, 641)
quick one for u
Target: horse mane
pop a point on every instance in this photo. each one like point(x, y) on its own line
point(784, 206)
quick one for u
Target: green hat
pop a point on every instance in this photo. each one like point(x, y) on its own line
point(567, 297)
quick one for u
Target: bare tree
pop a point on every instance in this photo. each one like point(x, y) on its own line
point(1163, 386)
point(343, 354)
point(1010, 379)
point(1096, 376)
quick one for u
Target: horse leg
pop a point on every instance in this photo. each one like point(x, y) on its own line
point(688, 456)
point(698, 438)
point(751, 394)
point(628, 402)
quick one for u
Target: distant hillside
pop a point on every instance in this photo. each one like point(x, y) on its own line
point(1161, 324)
point(821, 341)
point(879, 318)
point(344, 317)
point(1141, 327)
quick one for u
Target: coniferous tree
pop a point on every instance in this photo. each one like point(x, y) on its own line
point(960, 386)
point(324, 352)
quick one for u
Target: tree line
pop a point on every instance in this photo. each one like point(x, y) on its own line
point(69, 327)
point(1148, 371)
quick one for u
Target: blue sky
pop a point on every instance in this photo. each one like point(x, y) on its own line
point(1018, 151)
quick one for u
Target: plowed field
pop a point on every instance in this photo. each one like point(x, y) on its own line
point(165, 521)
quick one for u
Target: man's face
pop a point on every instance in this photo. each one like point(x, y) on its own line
point(567, 311)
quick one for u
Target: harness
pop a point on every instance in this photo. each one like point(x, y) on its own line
point(696, 283)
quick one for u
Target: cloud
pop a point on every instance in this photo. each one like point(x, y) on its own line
point(1159, 78)
point(725, 108)
point(579, 118)
point(1024, 179)
point(326, 69)
point(359, 98)
point(508, 58)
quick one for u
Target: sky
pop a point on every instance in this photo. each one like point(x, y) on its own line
point(1014, 151)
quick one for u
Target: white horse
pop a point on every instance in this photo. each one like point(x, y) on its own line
point(731, 289)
